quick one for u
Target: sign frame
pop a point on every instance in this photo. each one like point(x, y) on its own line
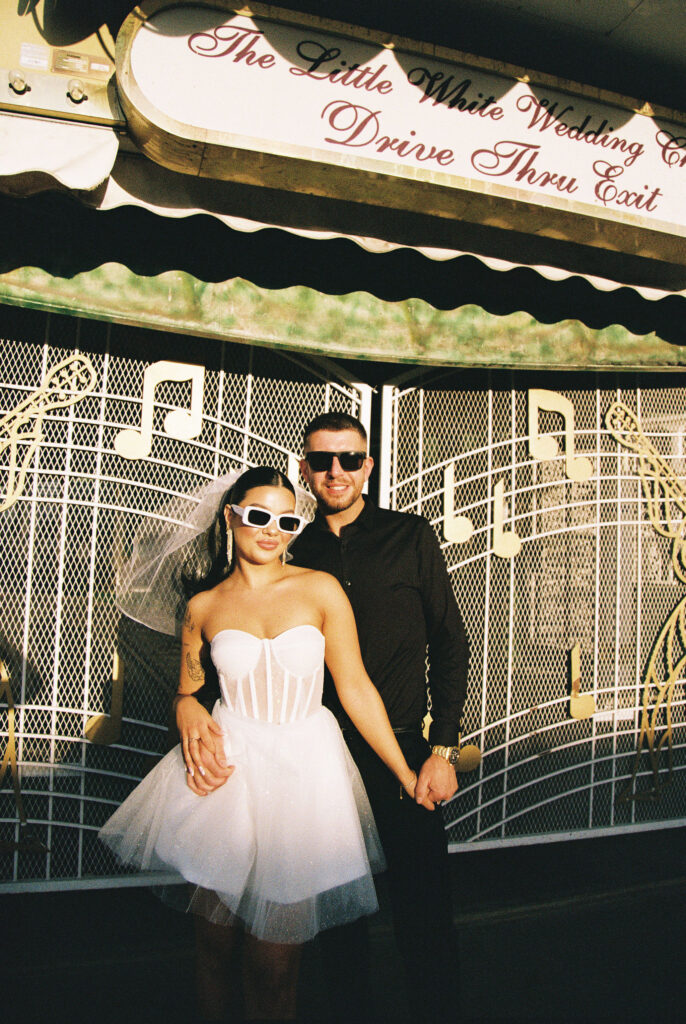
point(205, 152)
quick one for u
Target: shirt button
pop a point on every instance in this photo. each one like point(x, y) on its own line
point(348, 583)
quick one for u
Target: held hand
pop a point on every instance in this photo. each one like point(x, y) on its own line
point(410, 787)
point(437, 781)
point(410, 784)
point(203, 749)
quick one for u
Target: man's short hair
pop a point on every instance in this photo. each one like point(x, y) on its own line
point(334, 421)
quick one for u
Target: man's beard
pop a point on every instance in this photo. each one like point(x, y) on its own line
point(329, 503)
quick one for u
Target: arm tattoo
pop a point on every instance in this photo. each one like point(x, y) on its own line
point(195, 669)
point(188, 620)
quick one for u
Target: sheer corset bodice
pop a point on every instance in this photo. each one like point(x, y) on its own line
point(275, 680)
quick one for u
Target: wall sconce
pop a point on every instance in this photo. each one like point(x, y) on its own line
point(76, 90)
point(18, 83)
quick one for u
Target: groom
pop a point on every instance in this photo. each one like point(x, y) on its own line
point(391, 567)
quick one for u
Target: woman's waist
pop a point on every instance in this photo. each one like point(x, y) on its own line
point(267, 719)
point(246, 738)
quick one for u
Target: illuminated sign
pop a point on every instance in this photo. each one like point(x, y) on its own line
point(287, 104)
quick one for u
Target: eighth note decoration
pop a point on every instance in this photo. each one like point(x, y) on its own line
point(456, 529)
point(459, 529)
point(544, 447)
point(179, 423)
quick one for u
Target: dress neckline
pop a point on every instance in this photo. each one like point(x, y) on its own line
point(268, 639)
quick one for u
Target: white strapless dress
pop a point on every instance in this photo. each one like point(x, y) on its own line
point(288, 845)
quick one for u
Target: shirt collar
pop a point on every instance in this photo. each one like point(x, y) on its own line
point(365, 520)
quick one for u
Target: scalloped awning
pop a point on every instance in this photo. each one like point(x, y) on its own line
point(107, 247)
point(39, 153)
point(137, 181)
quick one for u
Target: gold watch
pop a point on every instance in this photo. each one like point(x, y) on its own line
point(450, 754)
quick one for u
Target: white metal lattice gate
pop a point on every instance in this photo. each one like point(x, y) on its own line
point(562, 528)
point(99, 426)
point(561, 517)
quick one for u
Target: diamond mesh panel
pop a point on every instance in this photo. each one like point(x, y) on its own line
point(71, 524)
point(591, 568)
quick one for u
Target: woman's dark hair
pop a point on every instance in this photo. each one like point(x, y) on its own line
point(216, 538)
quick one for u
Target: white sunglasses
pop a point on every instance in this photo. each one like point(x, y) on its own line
point(253, 515)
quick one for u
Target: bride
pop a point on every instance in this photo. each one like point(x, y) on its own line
point(287, 846)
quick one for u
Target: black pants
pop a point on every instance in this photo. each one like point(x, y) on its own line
point(420, 892)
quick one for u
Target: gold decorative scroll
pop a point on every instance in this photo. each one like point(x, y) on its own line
point(665, 670)
point(664, 493)
point(27, 841)
point(663, 490)
point(64, 385)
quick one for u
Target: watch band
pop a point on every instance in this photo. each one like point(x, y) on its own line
point(450, 754)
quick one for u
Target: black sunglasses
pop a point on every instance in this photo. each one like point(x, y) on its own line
point(321, 462)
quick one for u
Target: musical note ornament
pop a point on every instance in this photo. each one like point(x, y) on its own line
point(506, 543)
point(544, 446)
point(180, 424)
point(459, 529)
point(580, 705)
point(456, 529)
point(65, 384)
point(28, 841)
point(106, 729)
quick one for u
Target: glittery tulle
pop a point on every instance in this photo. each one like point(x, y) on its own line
point(286, 847)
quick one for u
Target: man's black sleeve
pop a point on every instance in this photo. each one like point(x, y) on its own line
point(447, 641)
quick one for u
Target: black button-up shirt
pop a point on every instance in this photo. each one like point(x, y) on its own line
point(392, 569)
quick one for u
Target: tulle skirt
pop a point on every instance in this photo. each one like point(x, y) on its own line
point(285, 848)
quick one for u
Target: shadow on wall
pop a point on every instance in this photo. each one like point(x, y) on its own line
point(65, 22)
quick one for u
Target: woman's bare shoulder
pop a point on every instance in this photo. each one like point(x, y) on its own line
point(199, 607)
point(315, 578)
point(323, 588)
